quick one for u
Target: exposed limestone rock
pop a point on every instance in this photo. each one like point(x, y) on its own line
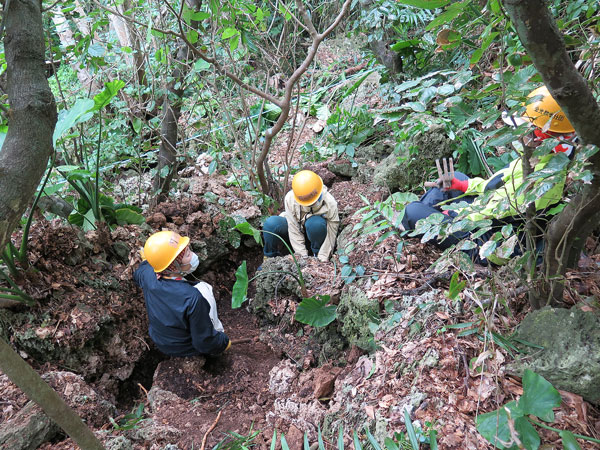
point(119, 443)
point(413, 165)
point(356, 312)
point(27, 429)
point(570, 358)
point(30, 427)
point(275, 285)
point(282, 376)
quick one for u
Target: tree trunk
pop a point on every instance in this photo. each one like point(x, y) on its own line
point(23, 160)
point(38, 390)
point(569, 229)
point(167, 155)
point(32, 116)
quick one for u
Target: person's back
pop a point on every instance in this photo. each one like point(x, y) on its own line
point(182, 319)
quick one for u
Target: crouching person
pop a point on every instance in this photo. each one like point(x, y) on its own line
point(182, 319)
point(309, 223)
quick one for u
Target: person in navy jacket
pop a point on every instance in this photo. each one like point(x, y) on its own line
point(182, 319)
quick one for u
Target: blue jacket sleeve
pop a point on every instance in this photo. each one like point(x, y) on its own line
point(205, 338)
point(141, 272)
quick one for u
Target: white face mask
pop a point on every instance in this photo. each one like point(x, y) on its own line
point(193, 263)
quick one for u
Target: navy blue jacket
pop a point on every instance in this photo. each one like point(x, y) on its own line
point(178, 316)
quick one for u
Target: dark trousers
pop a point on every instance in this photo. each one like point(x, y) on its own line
point(315, 232)
point(428, 204)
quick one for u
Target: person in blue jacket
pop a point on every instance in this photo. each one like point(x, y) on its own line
point(182, 319)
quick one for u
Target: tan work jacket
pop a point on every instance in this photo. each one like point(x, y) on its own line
point(296, 215)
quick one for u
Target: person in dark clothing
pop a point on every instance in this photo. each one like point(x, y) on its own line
point(182, 319)
point(504, 187)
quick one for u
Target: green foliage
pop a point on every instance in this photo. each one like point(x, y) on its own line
point(315, 311)
point(456, 286)
point(346, 130)
point(538, 399)
point(240, 287)
point(411, 440)
point(240, 291)
point(129, 421)
point(237, 441)
point(111, 213)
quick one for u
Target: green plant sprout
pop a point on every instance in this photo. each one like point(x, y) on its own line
point(313, 311)
point(92, 206)
point(411, 440)
point(511, 426)
point(129, 421)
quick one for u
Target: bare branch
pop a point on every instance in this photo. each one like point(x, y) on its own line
point(308, 25)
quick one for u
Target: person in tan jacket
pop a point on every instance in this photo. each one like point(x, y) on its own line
point(310, 220)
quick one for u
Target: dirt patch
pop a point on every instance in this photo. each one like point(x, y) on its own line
point(233, 385)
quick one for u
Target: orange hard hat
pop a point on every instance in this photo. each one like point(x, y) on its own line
point(307, 187)
point(162, 248)
point(545, 109)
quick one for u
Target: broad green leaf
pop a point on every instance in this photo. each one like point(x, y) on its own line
point(240, 287)
point(315, 312)
point(110, 90)
point(192, 36)
point(425, 4)
point(284, 444)
point(96, 50)
point(229, 32)
point(451, 13)
point(67, 118)
point(323, 112)
point(89, 221)
point(539, 396)
point(446, 89)
point(476, 56)
point(568, 440)
point(404, 198)
point(415, 106)
point(527, 434)
point(400, 45)
point(128, 216)
point(407, 85)
point(246, 228)
point(487, 249)
point(494, 425)
point(201, 65)
point(507, 248)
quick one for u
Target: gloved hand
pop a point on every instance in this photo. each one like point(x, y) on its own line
point(458, 185)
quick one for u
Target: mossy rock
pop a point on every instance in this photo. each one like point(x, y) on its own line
point(570, 358)
point(412, 166)
point(271, 284)
point(356, 313)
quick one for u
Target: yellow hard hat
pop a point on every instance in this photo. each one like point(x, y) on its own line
point(307, 187)
point(539, 112)
point(162, 248)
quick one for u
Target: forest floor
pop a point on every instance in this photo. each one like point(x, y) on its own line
point(85, 292)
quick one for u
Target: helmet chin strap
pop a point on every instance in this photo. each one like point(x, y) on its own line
point(174, 270)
